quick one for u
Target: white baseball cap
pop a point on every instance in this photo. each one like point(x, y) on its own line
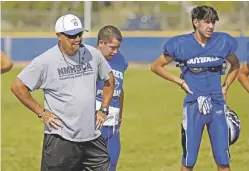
point(69, 24)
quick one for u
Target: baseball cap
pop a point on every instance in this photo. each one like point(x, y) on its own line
point(69, 24)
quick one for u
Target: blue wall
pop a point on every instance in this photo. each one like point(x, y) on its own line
point(135, 49)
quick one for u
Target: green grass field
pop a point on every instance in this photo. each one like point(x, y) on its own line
point(150, 135)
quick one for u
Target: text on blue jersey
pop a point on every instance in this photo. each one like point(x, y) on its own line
point(214, 53)
point(119, 66)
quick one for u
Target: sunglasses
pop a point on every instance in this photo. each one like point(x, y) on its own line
point(73, 36)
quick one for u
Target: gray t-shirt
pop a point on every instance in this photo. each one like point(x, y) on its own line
point(69, 86)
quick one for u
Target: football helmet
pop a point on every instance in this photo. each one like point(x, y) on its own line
point(233, 124)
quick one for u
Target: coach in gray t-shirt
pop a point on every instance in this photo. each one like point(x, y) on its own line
point(67, 73)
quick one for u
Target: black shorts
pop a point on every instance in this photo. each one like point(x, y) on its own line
point(59, 154)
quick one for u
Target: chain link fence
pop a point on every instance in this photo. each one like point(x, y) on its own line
point(129, 18)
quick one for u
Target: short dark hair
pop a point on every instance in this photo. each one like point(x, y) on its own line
point(109, 32)
point(204, 13)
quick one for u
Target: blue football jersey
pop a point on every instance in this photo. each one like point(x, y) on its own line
point(118, 65)
point(185, 48)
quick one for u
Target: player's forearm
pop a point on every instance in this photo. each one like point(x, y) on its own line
point(6, 63)
point(231, 76)
point(6, 67)
point(121, 102)
point(24, 96)
point(244, 81)
point(162, 72)
point(108, 91)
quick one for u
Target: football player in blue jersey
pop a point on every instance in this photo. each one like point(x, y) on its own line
point(202, 57)
point(109, 40)
point(243, 75)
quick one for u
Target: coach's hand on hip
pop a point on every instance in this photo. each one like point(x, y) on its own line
point(49, 119)
point(100, 119)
